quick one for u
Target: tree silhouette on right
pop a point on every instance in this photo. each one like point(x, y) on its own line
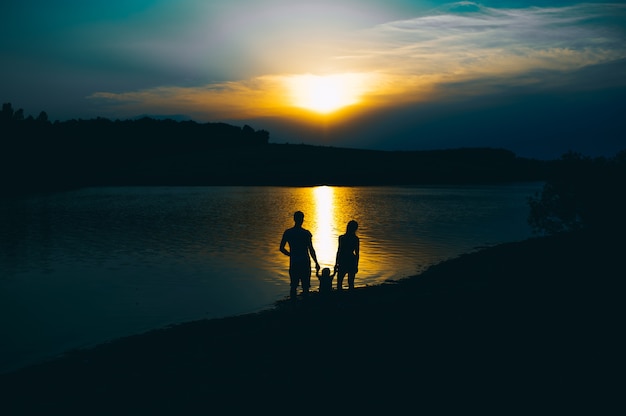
point(582, 193)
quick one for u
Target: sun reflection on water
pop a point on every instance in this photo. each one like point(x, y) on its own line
point(329, 210)
point(324, 223)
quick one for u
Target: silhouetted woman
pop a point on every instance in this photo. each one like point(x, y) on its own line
point(347, 261)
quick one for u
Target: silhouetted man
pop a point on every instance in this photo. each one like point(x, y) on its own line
point(300, 252)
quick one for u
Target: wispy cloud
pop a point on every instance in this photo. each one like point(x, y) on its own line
point(217, 100)
point(472, 42)
point(473, 47)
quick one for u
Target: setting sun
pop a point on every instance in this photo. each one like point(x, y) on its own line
point(327, 93)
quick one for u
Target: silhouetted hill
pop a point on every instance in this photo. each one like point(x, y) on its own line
point(174, 117)
point(40, 155)
point(306, 165)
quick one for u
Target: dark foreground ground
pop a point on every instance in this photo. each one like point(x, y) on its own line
point(531, 327)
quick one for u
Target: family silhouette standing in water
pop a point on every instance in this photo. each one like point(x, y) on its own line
point(301, 251)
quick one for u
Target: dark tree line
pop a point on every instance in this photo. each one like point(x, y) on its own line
point(40, 153)
point(37, 154)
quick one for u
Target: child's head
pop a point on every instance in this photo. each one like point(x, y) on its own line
point(325, 271)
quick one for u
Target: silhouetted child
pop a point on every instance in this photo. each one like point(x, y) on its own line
point(326, 279)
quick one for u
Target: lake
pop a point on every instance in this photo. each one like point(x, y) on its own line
point(82, 267)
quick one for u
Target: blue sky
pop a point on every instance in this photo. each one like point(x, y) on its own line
point(537, 77)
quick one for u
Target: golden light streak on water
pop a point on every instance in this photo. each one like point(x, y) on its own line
point(325, 226)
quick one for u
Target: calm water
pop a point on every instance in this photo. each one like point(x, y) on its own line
point(82, 267)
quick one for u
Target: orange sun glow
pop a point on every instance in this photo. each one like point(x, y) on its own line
point(325, 94)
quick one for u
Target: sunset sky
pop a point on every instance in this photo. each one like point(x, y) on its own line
point(536, 77)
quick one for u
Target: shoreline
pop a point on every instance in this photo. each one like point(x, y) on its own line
point(532, 317)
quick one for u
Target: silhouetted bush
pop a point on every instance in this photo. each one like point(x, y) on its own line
point(582, 193)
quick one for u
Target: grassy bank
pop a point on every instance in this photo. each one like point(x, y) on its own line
point(528, 325)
